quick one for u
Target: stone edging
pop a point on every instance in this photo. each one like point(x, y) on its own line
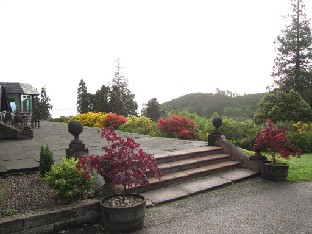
point(83, 211)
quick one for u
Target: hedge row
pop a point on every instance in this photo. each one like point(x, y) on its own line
point(185, 125)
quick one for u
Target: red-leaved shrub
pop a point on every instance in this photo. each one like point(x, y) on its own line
point(275, 140)
point(124, 162)
point(179, 127)
point(113, 120)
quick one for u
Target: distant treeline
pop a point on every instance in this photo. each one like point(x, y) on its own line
point(225, 103)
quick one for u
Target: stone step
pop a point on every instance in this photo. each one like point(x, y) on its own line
point(187, 154)
point(188, 174)
point(195, 186)
point(193, 162)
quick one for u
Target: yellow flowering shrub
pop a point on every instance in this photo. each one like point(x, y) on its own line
point(92, 119)
point(141, 125)
point(303, 127)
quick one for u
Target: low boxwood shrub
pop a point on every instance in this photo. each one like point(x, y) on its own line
point(46, 160)
point(66, 179)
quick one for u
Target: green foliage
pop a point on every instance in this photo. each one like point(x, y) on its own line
point(101, 99)
point(239, 133)
point(152, 109)
point(82, 97)
point(62, 119)
point(42, 105)
point(121, 99)
point(205, 104)
point(68, 181)
point(283, 106)
point(8, 212)
point(302, 139)
point(293, 62)
point(46, 160)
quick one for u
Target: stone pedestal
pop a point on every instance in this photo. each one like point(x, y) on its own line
point(216, 135)
point(76, 146)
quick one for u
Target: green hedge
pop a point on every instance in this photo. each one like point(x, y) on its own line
point(302, 139)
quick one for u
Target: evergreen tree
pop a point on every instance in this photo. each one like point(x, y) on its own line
point(121, 99)
point(82, 98)
point(293, 64)
point(91, 99)
point(42, 106)
point(102, 99)
point(152, 109)
point(115, 102)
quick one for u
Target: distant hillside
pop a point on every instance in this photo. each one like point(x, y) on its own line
point(225, 104)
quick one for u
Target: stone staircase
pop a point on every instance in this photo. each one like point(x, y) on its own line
point(191, 171)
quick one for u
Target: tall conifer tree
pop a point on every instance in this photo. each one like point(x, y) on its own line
point(82, 98)
point(293, 64)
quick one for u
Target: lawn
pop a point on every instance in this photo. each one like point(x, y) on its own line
point(300, 169)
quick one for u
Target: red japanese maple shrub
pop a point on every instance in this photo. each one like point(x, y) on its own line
point(123, 162)
point(179, 127)
point(274, 140)
point(114, 120)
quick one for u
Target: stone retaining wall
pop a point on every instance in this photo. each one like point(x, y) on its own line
point(236, 154)
point(84, 211)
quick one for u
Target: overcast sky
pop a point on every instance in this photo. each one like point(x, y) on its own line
point(167, 48)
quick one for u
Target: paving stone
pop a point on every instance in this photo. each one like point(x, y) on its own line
point(3, 169)
point(203, 184)
point(21, 164)
point(237, 174)
point(164, 194)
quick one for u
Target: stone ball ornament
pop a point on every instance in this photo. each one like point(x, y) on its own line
point(75, 128)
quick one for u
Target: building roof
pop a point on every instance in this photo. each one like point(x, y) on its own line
point(19, 88)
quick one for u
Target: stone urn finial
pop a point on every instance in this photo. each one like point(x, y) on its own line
point(217, 122)
point(76, 146)
point(75, 128)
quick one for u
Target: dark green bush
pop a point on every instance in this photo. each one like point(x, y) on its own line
point(46, 160)
point(240, 134)
point(66, 179)
point(301, 139)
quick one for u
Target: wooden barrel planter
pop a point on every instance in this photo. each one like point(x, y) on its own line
point(124, 219)
point(274, 172)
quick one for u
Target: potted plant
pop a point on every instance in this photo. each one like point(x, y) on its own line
point(125, 163)
point(275, 141)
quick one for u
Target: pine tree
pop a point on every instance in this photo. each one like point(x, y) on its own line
point(82, 98)
point(42, 106)
point(293, 64)
point(121, 99)
point(102, 98)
